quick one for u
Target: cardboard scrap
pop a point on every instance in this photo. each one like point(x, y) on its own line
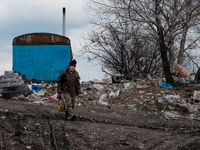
point(141, 86)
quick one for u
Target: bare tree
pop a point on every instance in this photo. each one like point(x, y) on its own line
point(162, 22)
point(122, 52)
point(190, 19)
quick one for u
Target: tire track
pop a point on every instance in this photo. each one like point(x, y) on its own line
point(54, 143)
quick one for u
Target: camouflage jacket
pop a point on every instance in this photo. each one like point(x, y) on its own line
point(68, 83)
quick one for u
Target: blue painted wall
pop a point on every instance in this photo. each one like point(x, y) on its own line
point(41, 62)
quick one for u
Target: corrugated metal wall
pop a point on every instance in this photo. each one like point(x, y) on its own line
point(42, 61)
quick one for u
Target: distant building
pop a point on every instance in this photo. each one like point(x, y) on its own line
point(41, 56)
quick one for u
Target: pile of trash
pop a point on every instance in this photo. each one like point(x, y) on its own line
point(42, 92)
point(15, 86)
point(181, 75)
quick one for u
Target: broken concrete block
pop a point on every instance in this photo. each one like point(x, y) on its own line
point(108, 79)
point(8, 72)
point(96, 81)
point(99, 87)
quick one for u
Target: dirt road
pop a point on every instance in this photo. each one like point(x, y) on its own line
point(24, 125)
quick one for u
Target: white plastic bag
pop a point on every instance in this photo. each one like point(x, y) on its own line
point(55, 96)
point(102, 99)
point(117, 93)
point(112, 94)
point(126, 85)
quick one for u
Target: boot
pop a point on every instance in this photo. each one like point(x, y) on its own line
point(69, 113)
point(66, 115)
point(74, 117)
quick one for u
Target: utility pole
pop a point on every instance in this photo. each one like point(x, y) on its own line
point(63, 21)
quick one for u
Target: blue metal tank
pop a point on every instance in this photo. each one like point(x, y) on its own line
point(41, 56)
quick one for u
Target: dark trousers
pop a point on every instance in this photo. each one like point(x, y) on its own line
point(69, 105)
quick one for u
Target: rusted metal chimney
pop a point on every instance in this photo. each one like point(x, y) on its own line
point(63, 21)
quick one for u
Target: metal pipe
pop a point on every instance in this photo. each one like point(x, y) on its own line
point(63, 21)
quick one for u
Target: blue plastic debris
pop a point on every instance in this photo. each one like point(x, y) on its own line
point(37, 124)
point(188, 80)
point(154, 45)
point(36, 88)
point(12, 134)
point(166, 85)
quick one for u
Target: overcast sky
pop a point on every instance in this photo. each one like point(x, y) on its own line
point(18, 17)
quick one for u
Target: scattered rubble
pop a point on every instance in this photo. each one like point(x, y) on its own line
point(107, 93)
point(119, 112)
point(13, 83)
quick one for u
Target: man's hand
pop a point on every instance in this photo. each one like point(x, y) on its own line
point(59, 96)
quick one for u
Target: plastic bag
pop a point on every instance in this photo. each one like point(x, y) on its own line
point(112, 94)
point(36, 88)
point(117, 93)
point(166, 85)
point(126, 85)
point(102, 99)
point(149, 77)
point(61, 106)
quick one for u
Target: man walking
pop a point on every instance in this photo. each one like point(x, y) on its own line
point(69, 86)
